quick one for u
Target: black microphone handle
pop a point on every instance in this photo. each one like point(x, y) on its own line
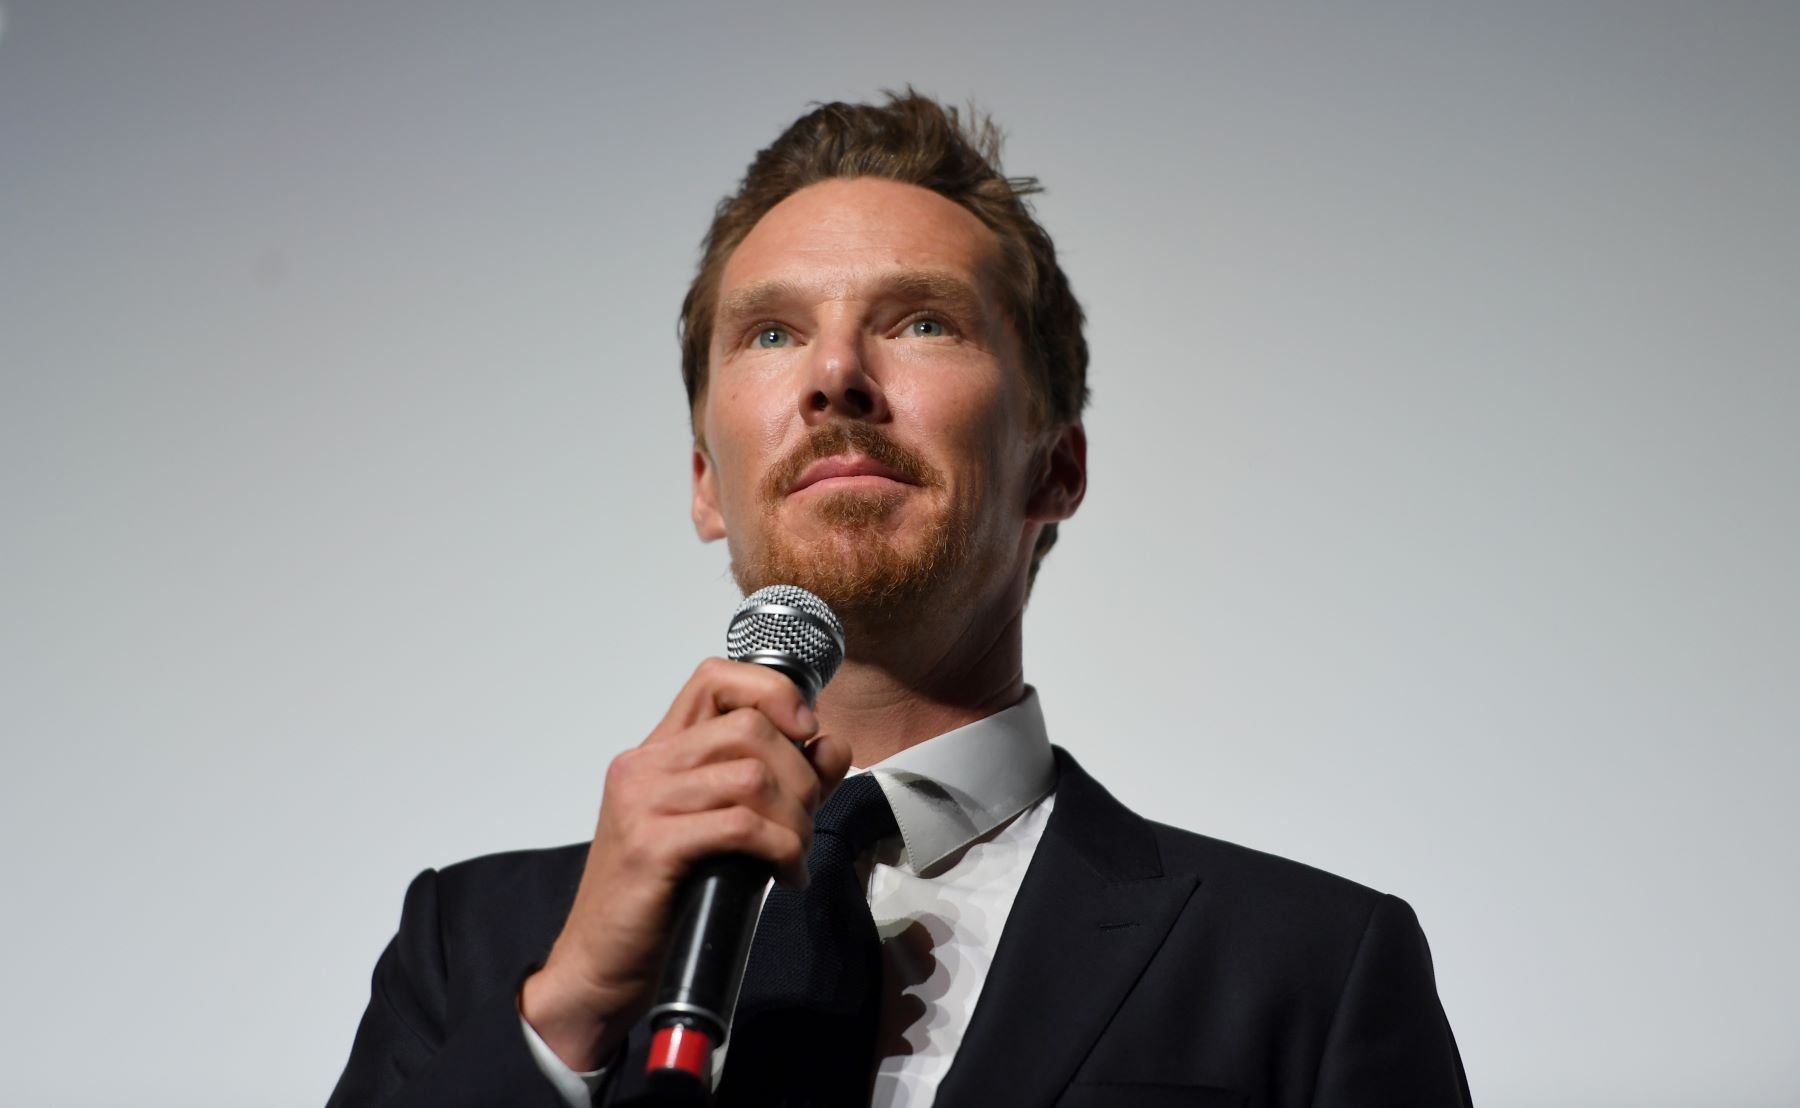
point(715, 916)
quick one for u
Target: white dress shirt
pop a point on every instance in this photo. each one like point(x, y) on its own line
point(971, 805)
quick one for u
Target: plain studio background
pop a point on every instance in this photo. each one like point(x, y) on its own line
point(1442, 532)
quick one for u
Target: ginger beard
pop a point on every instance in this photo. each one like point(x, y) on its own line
point(858, 564)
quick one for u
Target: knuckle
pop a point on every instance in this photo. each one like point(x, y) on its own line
point(620, 770)
point(790, 848)
point(750, 778)
point(738, 826)
point(637, 853)
point(748, 724)
point(809, 791)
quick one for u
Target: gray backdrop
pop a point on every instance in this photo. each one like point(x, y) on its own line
point(1442, 530)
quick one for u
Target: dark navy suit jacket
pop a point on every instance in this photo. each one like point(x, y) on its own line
point(1141, 966)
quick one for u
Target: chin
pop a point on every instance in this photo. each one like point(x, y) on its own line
point(853, 514)
point(866, 563)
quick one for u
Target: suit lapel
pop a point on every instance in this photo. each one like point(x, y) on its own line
point(1094, 907)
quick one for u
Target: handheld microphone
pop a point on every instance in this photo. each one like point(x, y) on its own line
point(789, 629)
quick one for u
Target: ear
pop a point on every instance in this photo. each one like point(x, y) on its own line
point(1061, 479)
point(709, 523)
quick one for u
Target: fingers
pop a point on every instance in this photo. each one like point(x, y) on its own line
point(829, 758)
point(730, 710)
point(745, 831)
point(663, 820)
point(719, 687)
point(734, 764)
point(741, 783)
point(729, 743)
point(721, 774)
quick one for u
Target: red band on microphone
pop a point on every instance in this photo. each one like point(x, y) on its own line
point(681, 1048)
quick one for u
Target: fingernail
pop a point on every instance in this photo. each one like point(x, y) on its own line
point(808, 721)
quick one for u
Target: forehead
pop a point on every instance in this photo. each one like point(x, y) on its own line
point(836, 237)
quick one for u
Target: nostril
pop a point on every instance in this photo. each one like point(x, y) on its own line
point(820, 402)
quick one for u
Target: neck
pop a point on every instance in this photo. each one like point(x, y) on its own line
point(901, 686)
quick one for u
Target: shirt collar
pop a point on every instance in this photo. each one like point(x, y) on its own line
point(948, 791)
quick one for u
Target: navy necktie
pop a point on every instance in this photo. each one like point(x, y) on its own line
point(804, 1031)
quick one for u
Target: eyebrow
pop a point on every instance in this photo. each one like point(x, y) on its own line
point(929, 286)
point(923, 286)
point(758, 299)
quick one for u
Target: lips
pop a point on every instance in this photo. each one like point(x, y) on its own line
point(841, 466)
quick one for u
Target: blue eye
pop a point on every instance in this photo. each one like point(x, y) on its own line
point(927, 329)
point(770, 338)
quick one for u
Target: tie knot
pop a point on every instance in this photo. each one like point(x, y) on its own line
point(858, 813)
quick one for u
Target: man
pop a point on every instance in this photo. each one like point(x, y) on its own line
point(886, 370)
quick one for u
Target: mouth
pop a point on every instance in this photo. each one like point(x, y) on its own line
point(847, 472)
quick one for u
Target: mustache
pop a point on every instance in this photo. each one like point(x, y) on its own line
point(833, 439)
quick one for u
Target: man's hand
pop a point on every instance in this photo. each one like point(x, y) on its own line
point(721, 774)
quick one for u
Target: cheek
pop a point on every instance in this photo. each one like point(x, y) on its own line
point(988, 445)
point(747, 436)
point(744, 431)
point(725, 448)
point(760, 420)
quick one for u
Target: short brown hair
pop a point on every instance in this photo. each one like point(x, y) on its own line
point(914, 140)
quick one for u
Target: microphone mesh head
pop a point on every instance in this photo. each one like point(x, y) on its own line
point(788, 622)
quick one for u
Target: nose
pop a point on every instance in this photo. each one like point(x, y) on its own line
point(841, 383)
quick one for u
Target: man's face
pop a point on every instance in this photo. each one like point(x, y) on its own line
point(866, 431)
